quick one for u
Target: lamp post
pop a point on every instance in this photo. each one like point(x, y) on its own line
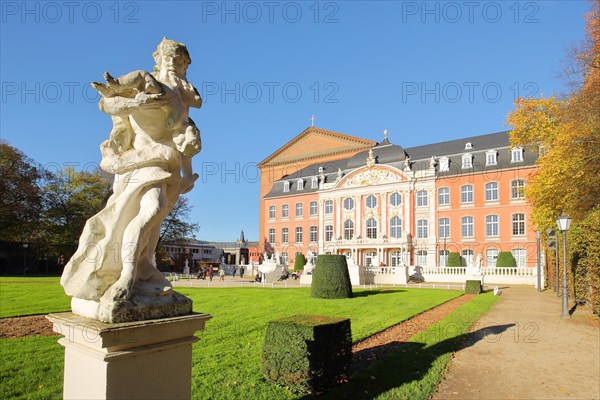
point(564, 223)
point(25, 246)
point(539, 262)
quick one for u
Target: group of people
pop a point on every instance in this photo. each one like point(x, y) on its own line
point(204, 273)
point(209, 273)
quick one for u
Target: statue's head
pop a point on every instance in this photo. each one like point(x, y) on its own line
point(172, 56)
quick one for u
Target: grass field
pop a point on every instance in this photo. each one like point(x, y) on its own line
point(226, 359)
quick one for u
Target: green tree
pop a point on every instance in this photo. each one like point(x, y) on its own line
point(20, 194)
point(70, 198)
point(177, 224)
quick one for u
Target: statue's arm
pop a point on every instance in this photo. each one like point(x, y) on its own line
point(123, 106)
point(150, 155)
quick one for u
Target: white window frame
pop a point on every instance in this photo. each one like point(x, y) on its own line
point(491, 257)
point(516, 154)
point(313, 234)
point(444, 164)
point(328, 206)
point(443, 257)
point(285, 235)
point(313, 208)
point(286, 186)
point(520, 256)
point(348, 229)
point(467, 161)
point(371, 201)
point(300, 185)
point(422, 229)
point(492, 225)
point(272, 235)
point(444, 228)
point(491, 157)
point(314, 182)
point(491, 191)
point(466, 194)
point(299, 210)
point(371, 228)
point(467, 226)
point(328, 233)
point(517, 189)
point(422, 198)
point(285, 211)
point(395, 199)
point(396, 227)
point(272, 212)
point(348, 204)
point(298, 234)
point(444, 194)
point(519, 224)
point(468, 254)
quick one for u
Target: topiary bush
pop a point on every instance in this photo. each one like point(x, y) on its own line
point(307, 353)
point(331, 279)
point(455, 260)
point(299, 262)
point(473, 287)
point(506, 260)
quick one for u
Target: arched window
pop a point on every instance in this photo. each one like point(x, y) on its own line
point(371, 201)
point(395, 199)
point(348, 203)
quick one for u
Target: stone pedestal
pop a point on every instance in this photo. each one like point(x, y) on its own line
point(143, 360)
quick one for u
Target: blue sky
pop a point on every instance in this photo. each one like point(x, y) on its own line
point(425, 71)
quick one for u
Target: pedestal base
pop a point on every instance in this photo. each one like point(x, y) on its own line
point(143, 360)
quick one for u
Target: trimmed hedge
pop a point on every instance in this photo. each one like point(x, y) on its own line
point(299, 262)
point(455, 260)
point(307, 353)
point(506, 260)
point(331, 279)
point(473, 287)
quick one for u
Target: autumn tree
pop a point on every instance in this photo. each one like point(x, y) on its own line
point(567, 133)
point(177, 224)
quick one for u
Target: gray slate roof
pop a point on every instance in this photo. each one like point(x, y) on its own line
point(386, 153)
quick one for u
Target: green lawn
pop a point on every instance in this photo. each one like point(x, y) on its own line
point(30, 296)
point(226, 359)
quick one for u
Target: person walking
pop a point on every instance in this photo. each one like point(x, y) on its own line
point(234, 271)
point(221, 274)
point(241, 271)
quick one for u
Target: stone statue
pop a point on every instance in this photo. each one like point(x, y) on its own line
point(478, 268)
point(113, 276)
point(407, 164)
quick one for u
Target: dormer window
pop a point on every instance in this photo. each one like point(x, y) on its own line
point(314, 182)
point(491, 157)
point(286, 186)
point(516, 154)
point(468, 146)
point(467, 161)
point(300, 184)
point(444, 164)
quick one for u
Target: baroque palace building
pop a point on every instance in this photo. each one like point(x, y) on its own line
point(383, 204)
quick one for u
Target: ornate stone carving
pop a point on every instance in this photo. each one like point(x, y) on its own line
point(113, 276)
point(372, 176)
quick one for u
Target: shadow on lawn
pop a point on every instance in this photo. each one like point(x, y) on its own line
point(365, 293)
point(408, 362)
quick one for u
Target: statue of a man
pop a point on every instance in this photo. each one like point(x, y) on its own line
point(149, 151)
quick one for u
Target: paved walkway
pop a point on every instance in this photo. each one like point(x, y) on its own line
point(541, 357)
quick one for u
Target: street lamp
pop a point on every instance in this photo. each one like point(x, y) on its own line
point(564, 223)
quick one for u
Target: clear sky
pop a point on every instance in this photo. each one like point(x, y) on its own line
point(425, 71)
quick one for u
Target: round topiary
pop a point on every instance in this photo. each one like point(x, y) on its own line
point(455, 260)
point(506, 260)
point(331, 279)
point(299, 262)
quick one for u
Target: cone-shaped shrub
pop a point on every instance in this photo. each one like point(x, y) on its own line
point(331, 279)
point(299, 262)
point(455, 260)
point(506, 260)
